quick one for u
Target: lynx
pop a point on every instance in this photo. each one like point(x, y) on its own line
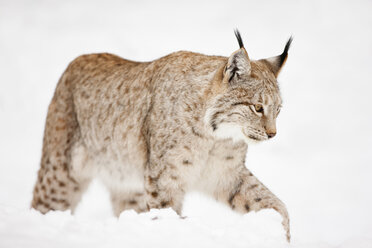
point(153, 131)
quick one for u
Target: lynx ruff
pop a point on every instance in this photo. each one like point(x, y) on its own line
point(153, 131)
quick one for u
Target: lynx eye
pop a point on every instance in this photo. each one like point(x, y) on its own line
point(258, 108)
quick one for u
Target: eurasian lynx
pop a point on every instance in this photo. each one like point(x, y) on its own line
point(153, 131)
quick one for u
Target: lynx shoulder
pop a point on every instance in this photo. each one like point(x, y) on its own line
point(153, 131)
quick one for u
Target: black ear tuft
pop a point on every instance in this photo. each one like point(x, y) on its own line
point(276, 63)
point(237, 34)
point(284, 54)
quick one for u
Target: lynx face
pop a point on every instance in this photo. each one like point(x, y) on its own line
point(248, 107)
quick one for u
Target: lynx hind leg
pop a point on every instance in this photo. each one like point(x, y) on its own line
point(56, 188)
point(128, 200)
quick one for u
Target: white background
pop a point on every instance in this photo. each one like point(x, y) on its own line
point(319, 163)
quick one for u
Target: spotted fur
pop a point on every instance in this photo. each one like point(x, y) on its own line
point(154, 131)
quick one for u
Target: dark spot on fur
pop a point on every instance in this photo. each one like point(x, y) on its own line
point(235, 192)
point(253, 186)
point(152, 180)
point(132, 202)
point(164, 203)
point(188, 109)
point(229, 157)
point(246, 206)
point(161, 155)
point(186, 162)
point(61, 184)
point(38, 201)
point(214, 119)
point(258, 199)
point(214, 126)
point(62, 201)
point(196, 133)
point(154, 194)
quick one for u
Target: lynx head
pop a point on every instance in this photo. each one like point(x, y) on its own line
point(247, 106)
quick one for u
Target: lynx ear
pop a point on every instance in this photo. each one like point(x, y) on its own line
point(276, 63)
point(238, 63)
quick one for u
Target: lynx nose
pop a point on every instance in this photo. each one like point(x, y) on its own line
point(271, 134)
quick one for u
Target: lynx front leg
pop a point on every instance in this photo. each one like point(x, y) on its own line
point(226, 178)
point(163, 188)
point(249, 193)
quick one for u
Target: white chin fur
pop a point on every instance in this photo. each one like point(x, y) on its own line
point(234, 132)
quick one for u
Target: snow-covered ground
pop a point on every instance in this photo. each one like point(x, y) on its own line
point(319, 164)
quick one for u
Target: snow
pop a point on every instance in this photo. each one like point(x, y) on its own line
point(319, 163)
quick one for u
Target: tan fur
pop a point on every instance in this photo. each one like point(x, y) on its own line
point(149, 131)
